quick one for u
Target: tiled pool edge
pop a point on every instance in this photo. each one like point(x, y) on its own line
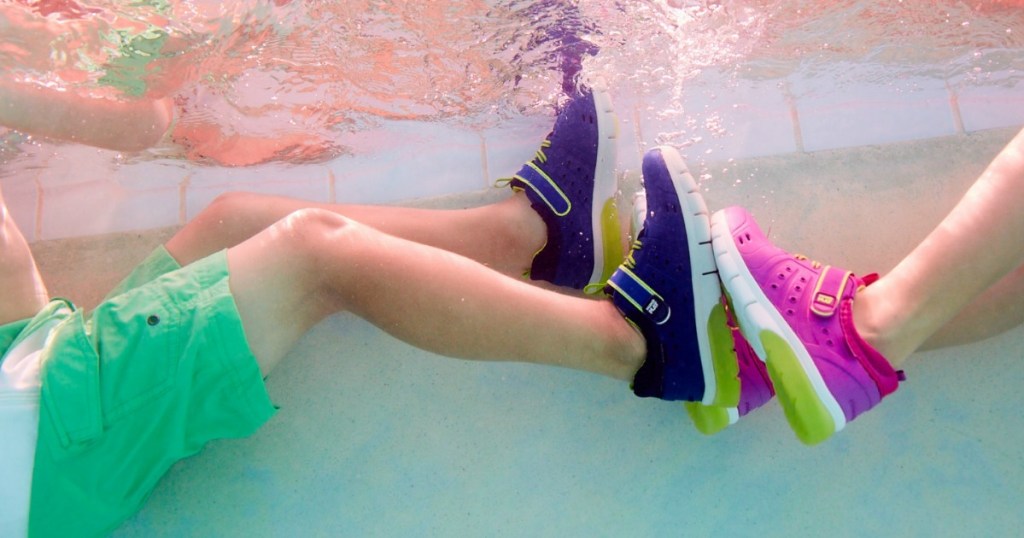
point(75, 191)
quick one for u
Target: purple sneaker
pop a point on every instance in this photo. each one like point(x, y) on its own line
point(571, 184)
point(755, 387)
point(668, 289)
point(798, 317)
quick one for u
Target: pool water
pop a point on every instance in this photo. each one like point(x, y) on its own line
point(849, 128)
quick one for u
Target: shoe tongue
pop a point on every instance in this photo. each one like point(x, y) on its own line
point(877, 366)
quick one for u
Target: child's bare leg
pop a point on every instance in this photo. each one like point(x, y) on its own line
point(977, 245)
point(560, 225)
point(998, 310)
point(503, 236)
point(315, 262)
point(22, 293)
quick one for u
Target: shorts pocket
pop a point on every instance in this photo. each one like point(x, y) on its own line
point(69, 397)
point(135, 337)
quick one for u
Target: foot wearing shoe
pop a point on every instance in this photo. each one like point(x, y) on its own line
point(668, 289)
point(571, 184)
point(797, 316)
point(755, 386)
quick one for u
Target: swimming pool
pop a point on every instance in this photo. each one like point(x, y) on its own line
point(382, 439)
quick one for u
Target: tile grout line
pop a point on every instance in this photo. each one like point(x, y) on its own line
point(637, 127)
point(38, 224)
point(484, 161)
point(954, 104)
point(332, 187)
point(794, 118)
point(183, 199)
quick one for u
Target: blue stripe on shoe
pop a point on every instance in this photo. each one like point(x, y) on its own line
point(546, 188)
point(640, 295)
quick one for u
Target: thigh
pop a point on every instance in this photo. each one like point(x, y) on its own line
point(21, 286)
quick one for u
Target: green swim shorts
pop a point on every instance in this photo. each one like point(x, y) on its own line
point(155, 372)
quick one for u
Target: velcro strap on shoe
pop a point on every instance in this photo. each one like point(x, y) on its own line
point(640, 295)
point(545, 188)
point(828, 290)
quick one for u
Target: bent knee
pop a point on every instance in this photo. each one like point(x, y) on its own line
point(313, 239)
point(313, 228)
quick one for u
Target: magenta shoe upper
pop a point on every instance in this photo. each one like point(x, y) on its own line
point(816, 303)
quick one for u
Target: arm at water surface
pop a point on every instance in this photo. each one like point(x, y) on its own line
point(103, 123)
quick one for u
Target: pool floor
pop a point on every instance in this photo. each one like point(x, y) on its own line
point(375, 438)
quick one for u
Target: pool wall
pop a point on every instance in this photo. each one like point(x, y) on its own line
point(76, 191)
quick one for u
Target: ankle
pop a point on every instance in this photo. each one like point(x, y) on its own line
point(525, 230)
point(625, 347)
point(879, 327)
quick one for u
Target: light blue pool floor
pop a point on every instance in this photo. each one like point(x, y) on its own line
point(375, 438)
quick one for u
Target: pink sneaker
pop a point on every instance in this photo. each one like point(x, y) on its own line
point(797, 315)
point(755, 387)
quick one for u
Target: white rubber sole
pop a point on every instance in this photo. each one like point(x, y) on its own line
point(605, 183)
point(798, 382)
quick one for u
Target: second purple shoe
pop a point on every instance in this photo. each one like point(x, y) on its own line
point(668, 289)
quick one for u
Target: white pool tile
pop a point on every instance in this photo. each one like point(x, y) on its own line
point(996, 101)
point(21, 161)
point(408, 160)
point(722, 118)
point(630, 145)
point(105, 205)
point(512, 143)
point(308, 182)
point(836, 114)
point(21, 193)
point(72, 163)
point(110, 197)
